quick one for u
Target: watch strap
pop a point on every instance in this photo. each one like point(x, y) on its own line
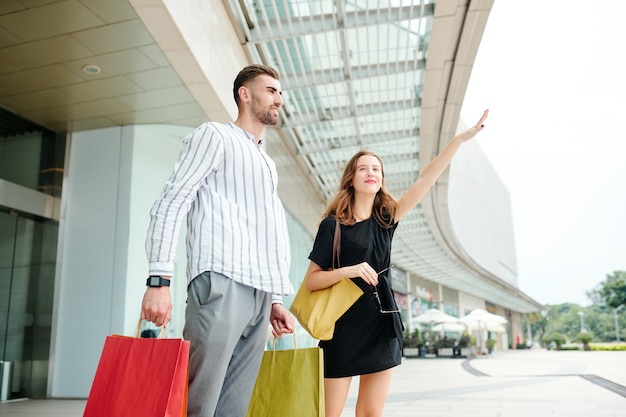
point(157, 281)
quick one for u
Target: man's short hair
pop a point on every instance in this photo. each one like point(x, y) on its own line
point(249, 73)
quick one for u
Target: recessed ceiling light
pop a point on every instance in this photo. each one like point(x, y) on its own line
point(91, 69)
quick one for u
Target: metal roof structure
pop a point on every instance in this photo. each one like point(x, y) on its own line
point(386, 75)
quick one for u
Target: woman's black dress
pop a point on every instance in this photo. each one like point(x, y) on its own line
point(365, 340)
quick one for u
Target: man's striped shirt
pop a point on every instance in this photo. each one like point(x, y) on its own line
point(227, 187)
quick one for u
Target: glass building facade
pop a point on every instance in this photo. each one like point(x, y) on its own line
point(31, 158)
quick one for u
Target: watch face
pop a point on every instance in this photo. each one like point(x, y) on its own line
point(154, 281)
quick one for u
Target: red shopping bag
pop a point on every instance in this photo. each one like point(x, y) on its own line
point(140, 378)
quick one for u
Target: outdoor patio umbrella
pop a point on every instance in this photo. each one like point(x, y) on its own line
point(495, 327)
point(448, 327)
point(491, 326)
point(480, 319)
point(483, 316)
point(435, 316)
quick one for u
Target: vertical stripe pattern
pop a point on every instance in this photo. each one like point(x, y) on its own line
point(226, 185)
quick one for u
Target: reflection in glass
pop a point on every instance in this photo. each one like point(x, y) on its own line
point(27, 265)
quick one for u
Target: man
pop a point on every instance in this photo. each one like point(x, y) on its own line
point(237, 249)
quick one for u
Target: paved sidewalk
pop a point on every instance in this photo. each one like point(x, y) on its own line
point(520, 383)
point(527, 383)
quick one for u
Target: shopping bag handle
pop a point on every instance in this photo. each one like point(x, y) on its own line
point(138, 332)
point(294, 341)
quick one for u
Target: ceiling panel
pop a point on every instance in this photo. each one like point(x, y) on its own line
point(155, 79)
point(44, 52)
point(38, 100)
point(44, 46)
point(168, 114)
point(7, 38)
point(42, 78)
point(51, 118)
point(157, 98)
point(55, 19)
point(110, 38)
point(111, 11)
point(154, 53)
point(112, 64)
point(94, 108)
point(10, 6)
point(98, 89)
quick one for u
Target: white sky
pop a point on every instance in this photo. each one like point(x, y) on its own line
point(553, 75)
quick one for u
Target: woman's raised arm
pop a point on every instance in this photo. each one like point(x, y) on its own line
point(435, 168)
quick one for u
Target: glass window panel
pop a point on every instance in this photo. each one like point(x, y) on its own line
point(381, 44)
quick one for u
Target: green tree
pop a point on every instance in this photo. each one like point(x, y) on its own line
point(599, 320)
point(538, 323)
point(558, 338)
point(612, 291)
point(566, 320)
point(585, 338)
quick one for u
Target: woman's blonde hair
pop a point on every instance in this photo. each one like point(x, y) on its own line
point(385, 205)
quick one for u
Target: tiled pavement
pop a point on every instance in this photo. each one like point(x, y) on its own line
point(526, 383)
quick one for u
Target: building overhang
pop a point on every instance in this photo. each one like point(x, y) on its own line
point(355, 75)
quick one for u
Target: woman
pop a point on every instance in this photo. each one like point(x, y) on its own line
point(368, 337)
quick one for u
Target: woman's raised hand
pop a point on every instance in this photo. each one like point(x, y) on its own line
point(472, 131)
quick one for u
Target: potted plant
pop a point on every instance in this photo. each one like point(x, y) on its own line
point(411, 344)
point(491, 343)
point(445, 347)
point(465, 343)
point(585, 338)
point(554, 340)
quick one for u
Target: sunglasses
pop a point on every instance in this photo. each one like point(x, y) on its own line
point(377, 297)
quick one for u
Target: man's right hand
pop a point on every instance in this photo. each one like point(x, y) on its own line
point(157, 305)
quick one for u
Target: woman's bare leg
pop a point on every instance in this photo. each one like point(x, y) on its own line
point(373, 389)
point(336, 393)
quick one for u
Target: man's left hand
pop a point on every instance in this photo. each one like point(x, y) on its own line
point(281, 320)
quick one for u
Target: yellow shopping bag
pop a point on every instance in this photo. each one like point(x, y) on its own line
point(290, 383)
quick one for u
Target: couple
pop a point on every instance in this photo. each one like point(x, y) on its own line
point(238, 256)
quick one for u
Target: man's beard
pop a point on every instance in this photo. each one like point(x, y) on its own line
point(264, 115)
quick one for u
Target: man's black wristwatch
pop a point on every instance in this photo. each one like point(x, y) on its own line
point(157, 281)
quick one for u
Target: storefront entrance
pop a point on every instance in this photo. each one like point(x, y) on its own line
point(28, 249)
